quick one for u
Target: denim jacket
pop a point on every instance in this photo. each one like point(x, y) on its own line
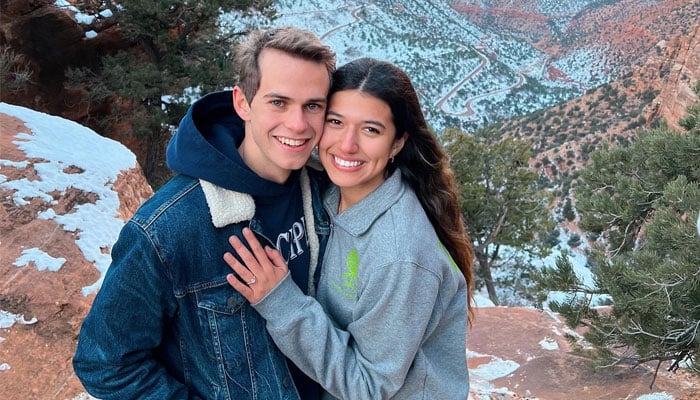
point(177, 329)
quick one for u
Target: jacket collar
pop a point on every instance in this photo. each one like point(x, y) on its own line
point(226, 206)
point(230, 207)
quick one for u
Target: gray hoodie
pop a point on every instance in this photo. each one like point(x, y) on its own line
point(390, 315)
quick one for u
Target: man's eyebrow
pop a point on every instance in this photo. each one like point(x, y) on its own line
point(274, 95)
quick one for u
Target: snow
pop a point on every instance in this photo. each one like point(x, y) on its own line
point(7, 319)
point(655, 396)
point(80, 17)
point(41, 260)
point(549, 344)
point(66, 146)
point(438, 48)
point(494, 369)
point(480, 378)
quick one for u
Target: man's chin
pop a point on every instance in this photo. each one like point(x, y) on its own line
point(295, 164)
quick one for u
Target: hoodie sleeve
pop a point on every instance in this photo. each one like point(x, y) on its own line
point(372, 356)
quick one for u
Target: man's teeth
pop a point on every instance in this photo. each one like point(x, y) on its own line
point(348, 164)
point(291, 142)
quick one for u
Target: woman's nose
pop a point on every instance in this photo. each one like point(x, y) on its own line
point(349, 141)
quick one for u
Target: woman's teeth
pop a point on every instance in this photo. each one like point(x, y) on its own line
point(348, 164)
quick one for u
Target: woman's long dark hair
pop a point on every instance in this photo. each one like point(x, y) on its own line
point(423, 161)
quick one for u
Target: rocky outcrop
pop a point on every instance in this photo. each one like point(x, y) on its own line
point(50, 41)
point(63, 203)
point(679, 69)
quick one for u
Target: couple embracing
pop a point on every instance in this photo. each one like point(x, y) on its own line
point(259, 273)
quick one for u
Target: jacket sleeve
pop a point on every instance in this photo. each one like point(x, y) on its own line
point(114, 356)
point(371, 357)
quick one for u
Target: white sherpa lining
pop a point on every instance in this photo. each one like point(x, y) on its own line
point(314, 244)
point(226, 206)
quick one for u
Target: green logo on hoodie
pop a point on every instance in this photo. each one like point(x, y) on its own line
point(352, 264)
point(447, 253)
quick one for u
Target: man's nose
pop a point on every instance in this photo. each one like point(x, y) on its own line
point(296, 120)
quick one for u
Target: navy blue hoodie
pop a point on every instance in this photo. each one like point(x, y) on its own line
point(205, 146)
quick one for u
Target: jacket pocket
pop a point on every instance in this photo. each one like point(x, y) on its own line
point(220, 298)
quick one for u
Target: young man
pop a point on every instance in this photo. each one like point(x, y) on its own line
point(166, 324)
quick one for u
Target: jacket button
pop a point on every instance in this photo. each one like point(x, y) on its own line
point(231, 302)
point(285, 382)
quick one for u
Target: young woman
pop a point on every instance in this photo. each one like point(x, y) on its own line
point(390, 315)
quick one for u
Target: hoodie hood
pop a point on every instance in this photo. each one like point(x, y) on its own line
point(205, 146)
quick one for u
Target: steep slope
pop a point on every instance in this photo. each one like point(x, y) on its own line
point(466, 75)
point(659, 90)
point(522, 353)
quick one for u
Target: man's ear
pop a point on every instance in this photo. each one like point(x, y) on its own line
point(240, 104)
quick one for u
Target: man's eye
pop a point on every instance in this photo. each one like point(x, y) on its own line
point(277, 103)
point(314, 107)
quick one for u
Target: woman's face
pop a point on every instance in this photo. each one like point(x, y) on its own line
point(357, 143)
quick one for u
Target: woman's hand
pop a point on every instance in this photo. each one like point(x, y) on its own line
point(263, 269)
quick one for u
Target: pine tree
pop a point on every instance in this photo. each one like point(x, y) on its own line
point(568, 211)
point(170, 47)
point(644, 201)
point(500, 198)
point(691, 121)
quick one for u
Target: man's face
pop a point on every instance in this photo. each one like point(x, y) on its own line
point(285, 119)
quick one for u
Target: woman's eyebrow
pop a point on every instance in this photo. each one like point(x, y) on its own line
point(366, 121)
